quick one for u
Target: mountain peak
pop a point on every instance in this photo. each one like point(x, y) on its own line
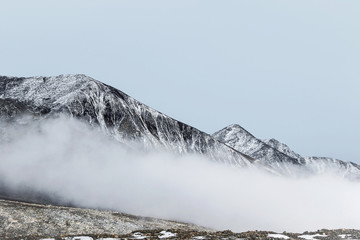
point(240, 139)
point(118, 114)
point(235, 126)
point(234, 129)
point(124, 118)
point(55, 91)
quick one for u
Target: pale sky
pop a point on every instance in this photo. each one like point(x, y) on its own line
point(281, 69)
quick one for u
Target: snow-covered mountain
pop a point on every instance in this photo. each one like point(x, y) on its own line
point(126, 119)
point(279, 157)
point(243, 141)
point(118, 114)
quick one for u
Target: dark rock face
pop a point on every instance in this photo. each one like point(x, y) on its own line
point(10, 109)
point(115, 112)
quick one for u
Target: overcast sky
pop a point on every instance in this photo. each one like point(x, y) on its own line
point(281, 69)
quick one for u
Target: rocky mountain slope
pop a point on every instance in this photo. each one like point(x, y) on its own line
point(320, 164)
point(126, 119)
point(238, 138)
point(280, 157)
point(118, 114)
point(281, 147)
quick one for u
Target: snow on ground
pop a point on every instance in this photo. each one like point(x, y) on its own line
point(82, 238)
point(276, 235)
point(138, 235)
point(108, 239)
point(345, 235)
point(166, 234)
point(311, 237)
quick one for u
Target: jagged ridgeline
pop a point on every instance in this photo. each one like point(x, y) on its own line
point(126, 119)
point(117, 114)
point(280, 158)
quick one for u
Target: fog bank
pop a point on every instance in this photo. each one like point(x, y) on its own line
point(84, 166)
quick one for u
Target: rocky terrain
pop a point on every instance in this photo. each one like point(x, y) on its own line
point(29, 221)
point(19, 220)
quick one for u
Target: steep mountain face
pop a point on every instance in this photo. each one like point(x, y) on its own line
point(279, 157)
point(118, 114)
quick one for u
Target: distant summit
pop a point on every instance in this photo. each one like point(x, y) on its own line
point(279, 157)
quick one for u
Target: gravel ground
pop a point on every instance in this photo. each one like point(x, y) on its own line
point(19, 219)
point(28, 221)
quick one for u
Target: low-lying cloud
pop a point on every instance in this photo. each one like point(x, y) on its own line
point(84, 166)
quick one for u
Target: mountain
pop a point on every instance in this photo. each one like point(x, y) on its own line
point(238, 138)
point(117, 114)
point(121, 117)
point(279, 157)
point(127, 120)
point(319, 164)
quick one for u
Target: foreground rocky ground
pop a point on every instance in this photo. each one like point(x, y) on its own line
point(197, 235)
point(28, 221)
point(223, 235)
point(19, 220)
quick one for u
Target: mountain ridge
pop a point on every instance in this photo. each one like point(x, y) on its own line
point(124, 118)
point(115, 112)
point(271, 151)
